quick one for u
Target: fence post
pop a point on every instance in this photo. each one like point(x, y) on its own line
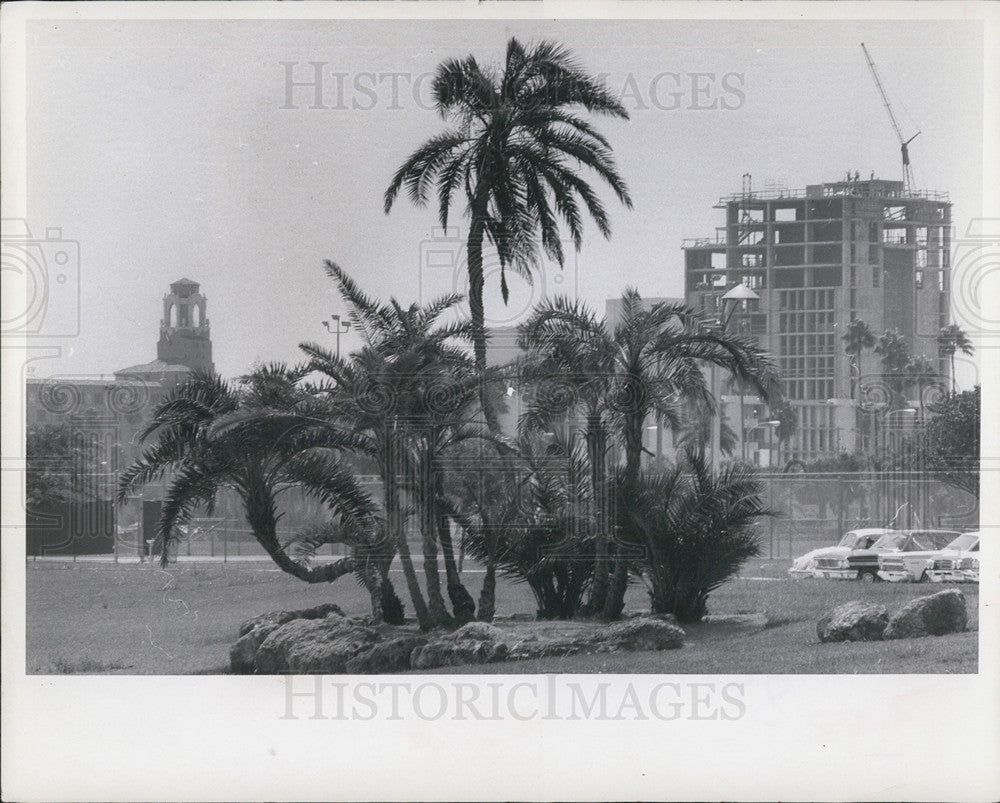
point(770, 504)
point(840, 505)
point(225, 547)
point(211, 543)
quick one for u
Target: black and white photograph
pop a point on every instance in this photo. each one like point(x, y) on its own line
point(501, 401)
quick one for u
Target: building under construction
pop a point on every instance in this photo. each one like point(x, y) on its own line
point(820, 258)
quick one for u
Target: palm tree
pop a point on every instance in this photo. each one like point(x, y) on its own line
point(857, 338)
point(202, 453)
point(700, 529)
point(408, 395)
point(522, 517)
point(921, 372)
point(894, 349)
point(697, 433)
point(571, 374)
point(655, 355)
point(514, 149)
point(950, 340)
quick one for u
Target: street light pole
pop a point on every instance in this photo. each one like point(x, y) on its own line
point(336, 329)
point(740, 294)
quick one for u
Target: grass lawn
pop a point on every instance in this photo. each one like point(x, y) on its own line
point(129, 619)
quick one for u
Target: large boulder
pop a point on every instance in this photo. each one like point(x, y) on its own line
point(474, 643)
point(853, 621)
point(935, 615)
point(321, 646)
point(243, 654)
point(280, 617)
point(386, 656)
point(640, 634)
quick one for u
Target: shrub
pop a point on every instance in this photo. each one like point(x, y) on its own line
point(698, 528)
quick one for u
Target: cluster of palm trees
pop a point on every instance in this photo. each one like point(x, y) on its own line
point(555, 504)
point(902, 370)
point(545, 505)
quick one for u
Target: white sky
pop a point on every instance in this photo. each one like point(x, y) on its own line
point(162, 147)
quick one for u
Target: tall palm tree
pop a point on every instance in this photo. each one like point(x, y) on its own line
point(655, 355)
point(201, 454)
point(514, 149)
point(857, 338)
point(950, 340)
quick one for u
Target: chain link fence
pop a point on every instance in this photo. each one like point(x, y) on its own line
point(814, 510)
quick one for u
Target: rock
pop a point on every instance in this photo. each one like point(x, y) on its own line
point(474, 643)
point(853, 621)
point(280, 617)
point(314, 646)
point(385, 657)
point(639, 634)
point(456, 653)
point(934, 615)
point(243, 654)
point(478, 631)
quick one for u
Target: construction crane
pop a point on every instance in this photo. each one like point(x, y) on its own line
point(903, 143)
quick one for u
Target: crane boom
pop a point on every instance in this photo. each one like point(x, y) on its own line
point(903, 142)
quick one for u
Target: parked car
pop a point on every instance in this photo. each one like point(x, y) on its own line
point(909, 563)
point(830, 557)
point(863, 564)
point(956, 563)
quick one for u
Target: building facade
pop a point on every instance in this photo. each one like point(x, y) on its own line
point(820, 258)
point(109, 414)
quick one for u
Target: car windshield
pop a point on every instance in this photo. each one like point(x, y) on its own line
point(890, 541)
point(966, 541)
point(850, 538)
point(927, 541)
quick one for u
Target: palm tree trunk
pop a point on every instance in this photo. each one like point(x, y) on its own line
point(463, 606)
point(633, 452)
point(263, 523)
point(597, 447)
point(428, 532)
point(487, 597)
point(397, 533)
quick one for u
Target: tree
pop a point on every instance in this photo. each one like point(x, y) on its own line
point(407, 395)
point(654, 356)
point(699, 528)
point(857, 338)
point(200, 442)
point(788, 420)
point(514, 149)
point(895, 352)
point(921, 374)
point(948, 445)
point(950, 340)
point(697, 434)
point(526, 513)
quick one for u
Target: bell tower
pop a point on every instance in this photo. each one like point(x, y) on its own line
point(185, 337)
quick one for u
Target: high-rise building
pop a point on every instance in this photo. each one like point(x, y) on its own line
point(820, 258)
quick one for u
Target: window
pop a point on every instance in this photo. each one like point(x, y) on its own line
point(918, 279)
point(876, 275)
